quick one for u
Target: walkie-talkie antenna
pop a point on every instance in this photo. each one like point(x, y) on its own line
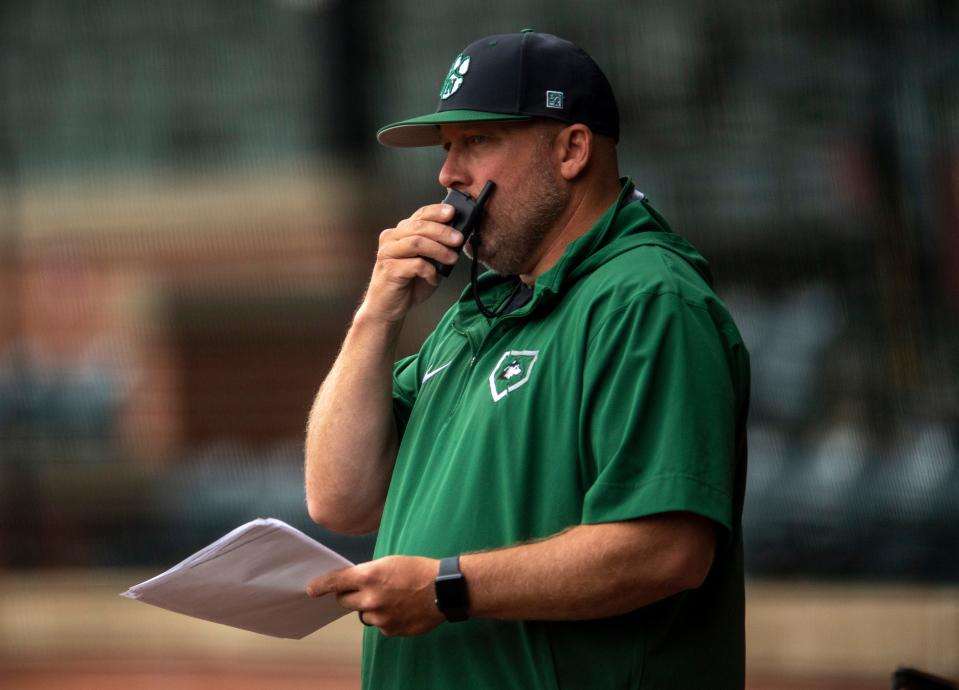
point(487, 188)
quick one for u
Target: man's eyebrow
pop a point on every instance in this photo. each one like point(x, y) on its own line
point(487, 129)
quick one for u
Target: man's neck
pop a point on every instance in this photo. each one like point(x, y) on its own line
point(580, 215)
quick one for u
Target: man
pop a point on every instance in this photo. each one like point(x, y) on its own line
point(558, 486)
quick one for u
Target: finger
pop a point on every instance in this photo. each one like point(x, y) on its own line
point(334, 581)
point(428, 273)
point(441, 213)
point(318, 586)
point(415, 246)
point(353, 601)
point(438, 232)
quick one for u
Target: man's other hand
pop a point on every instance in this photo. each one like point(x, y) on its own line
point(395, 593)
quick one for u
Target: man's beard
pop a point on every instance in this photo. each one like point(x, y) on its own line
point(518, 221)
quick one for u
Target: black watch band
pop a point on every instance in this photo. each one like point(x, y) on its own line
point(452, 598)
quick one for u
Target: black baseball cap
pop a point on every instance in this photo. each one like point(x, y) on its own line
point(515, 77)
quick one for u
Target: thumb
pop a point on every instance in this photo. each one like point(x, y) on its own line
point(333, 581)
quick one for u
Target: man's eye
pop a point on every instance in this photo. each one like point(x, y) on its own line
point(476, 139)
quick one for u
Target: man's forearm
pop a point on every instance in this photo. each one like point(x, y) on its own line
point(591, 571)
point(351, 435)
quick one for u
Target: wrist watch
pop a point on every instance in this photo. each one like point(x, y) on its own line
point(452, 598)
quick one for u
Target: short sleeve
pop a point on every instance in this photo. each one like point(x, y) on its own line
point(659, 414)
point(405, 387)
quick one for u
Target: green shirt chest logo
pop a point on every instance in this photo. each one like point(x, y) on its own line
point(512, 371)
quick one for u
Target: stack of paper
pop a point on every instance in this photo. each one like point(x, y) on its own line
point(253, 578)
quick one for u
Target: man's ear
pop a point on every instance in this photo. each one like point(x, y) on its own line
point(575, 147)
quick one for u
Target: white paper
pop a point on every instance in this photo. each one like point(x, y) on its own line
point(253, 578)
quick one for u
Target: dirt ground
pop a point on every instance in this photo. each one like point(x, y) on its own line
point(102, 676)
point(151, 676)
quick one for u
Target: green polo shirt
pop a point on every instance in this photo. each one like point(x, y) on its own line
point(618, 391)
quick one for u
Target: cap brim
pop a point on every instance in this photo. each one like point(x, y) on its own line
point(425, 131)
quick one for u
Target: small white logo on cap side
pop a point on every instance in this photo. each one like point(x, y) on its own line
point(554, 99)
point(454, 78)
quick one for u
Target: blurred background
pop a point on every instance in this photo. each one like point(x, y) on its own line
point(190, 198)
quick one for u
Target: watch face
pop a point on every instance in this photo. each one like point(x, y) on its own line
point(451, 591)
point(451, 596)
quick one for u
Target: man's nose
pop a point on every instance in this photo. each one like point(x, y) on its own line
point(453, 174)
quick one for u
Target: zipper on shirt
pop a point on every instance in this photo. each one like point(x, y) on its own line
point(465, 379)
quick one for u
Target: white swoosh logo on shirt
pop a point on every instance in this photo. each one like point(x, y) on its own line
point(430, 374)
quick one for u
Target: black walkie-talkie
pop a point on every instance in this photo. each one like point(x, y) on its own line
point(466, 218)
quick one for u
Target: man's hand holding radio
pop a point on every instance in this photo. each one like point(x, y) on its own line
point(402, 277)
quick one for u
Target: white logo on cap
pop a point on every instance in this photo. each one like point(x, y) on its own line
point(554, 99)
point(454, 78)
